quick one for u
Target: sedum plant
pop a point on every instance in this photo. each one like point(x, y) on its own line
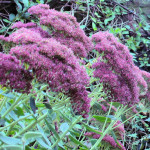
point(44, 64)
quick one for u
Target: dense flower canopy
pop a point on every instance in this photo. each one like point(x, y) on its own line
point(117, 70)
point(64, 28)
point(50, 60)
point(13, 75)
point(52, 50)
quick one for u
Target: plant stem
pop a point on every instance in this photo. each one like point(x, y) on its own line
point(110, 127)
point(106, 118)
point(127, 120)
point(12, 106)
point(66, 132)
point(31, 125)
point(15, 122)
point(3, 103)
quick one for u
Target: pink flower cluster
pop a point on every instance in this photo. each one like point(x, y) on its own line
point(33, 27)
point(107, 138)
point(64, 27)
point(24, 36)
point(20, 24)
point(51, 61)
point(116, 69)
point(3, 38)
point(55, 64)
point(13, 75)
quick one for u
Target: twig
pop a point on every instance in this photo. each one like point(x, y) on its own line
point(132, 12)
point(5, 2)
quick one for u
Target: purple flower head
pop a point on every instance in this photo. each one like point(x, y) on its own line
point(40, 9)
point(56, 65)
point(13, 75)
point(20, 24)
point(25, 36)
point(65, 29)
point(3, 38)
point(53, 56)
point(107, 138)
point(117, 72)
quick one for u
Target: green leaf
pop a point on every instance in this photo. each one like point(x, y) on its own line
point(75, 132)
point(19, 111)
point(115, 138)
point(44, 135)
point(133, 135)
point(30, 135)
point(82, 26)
point(94, 19)
point(94, 26)
point(26, 3)
point(19, 8)
point(97, 14)
point(64, 127)
point(42, 143)
point(9, 140)
point(52, 129)
point(109, 19)
point(116, 104)
point(26, 15)
point(3, 30)
point(125, 32)
point(89, 128)
point(11, 147)
point(66, 118)
point(2, 122)
point(93, 141)
point(148, 120)
point(9, 95)
point(42, 1)
point(32, 104)
point(112, 117)
point(38, 1)
point(7, 21)
point(101, 118)
point(12, 17)
point(77, 142)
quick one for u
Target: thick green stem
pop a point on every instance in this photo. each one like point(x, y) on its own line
point(3, 103)
point(107, 118)
point(12, 106)
point(95, 146)
point(109, 128)
point(15, 122)
point(64, 134)
point(31, 125)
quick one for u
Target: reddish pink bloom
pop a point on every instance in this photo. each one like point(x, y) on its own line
point(64, 28)
point(107, 138)
point(13, 75)
point(117, 74)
